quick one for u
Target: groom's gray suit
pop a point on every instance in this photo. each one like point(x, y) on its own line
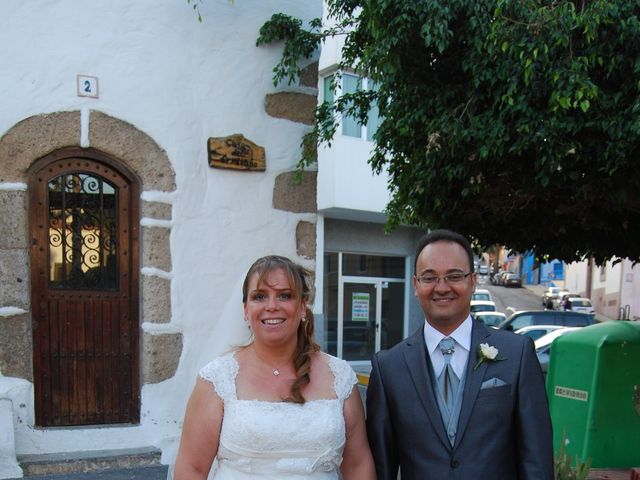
point(504, 431)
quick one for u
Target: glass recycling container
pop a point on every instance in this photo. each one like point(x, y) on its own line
point(593, 386)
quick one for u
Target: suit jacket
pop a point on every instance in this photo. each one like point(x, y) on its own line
point(504, 430)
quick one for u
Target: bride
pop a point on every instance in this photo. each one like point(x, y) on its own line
point(277, 408)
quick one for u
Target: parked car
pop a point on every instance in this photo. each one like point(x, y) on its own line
point(580, 304)
point(490, 319)
point(546, 317)
point(543, 345)
point(548, 296)
point(537, 331)
point(512, 280)
point(495, 279)
point(559, 301)
point(481, 294)
point(500, 276)
point(482, 306)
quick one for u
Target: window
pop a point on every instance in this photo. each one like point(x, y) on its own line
point(363, 304)
point(373, 118)
point(372, 265)
point(327, 91)
point(83, 228)
point(351, 127)
point(522, 321)
point(579, 320)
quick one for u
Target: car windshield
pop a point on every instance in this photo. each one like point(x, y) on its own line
point(480, 296)
point(580, 303)
point(491, 320)
point(483, 308)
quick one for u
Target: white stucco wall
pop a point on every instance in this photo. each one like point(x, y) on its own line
point(620, 284)
point(347, 186)
point(576, 277)
point(180, 82)
point(630, 289)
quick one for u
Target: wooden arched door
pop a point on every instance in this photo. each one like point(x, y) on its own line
point(84, 229)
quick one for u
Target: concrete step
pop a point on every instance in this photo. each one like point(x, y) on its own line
point(151, 472)
point(90, 461)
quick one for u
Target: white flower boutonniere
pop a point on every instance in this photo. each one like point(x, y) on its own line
point(487, 353)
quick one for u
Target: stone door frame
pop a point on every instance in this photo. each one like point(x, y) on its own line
point(38, 136)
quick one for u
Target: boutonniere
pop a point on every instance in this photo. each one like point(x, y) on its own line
point(487, 353)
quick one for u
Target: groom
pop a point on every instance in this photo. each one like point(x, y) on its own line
point(440, 406)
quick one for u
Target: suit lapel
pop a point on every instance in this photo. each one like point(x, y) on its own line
point(416, 358)
point(473, 379)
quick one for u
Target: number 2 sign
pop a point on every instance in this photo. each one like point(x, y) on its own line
point(87, 86)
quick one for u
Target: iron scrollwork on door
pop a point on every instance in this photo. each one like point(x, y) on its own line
point(83, 227)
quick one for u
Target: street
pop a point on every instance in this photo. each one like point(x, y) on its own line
point(507, 298)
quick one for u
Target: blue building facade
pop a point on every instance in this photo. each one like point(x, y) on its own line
point(541, 273)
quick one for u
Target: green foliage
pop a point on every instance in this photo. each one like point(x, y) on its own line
point(298, 43)
point(562, 465)
point(511, 121)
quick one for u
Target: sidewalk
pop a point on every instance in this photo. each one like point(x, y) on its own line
point(156, 472)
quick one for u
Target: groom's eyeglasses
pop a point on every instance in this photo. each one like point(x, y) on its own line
point(450, 278)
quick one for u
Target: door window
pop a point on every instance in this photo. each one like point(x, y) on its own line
point(364, 304)
point(359, 321)
point(82, 232)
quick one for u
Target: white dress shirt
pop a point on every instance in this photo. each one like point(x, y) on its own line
point(462, 337)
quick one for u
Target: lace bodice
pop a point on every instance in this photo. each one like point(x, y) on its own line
point(279, 439)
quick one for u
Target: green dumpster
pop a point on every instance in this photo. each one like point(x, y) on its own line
point(593, 385)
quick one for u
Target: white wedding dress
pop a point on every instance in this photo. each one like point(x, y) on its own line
point(279, 440)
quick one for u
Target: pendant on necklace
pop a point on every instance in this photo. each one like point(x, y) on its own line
point(276, 372)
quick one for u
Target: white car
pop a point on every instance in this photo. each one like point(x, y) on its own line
point(537, 331)
point(548, 296)
point(558, 303)
point(580, 304)
point(482, 306)
point(490, 319)
point(481, 294)
point(558, 299)
point(543, 345)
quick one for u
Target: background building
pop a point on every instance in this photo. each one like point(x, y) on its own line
point(122, 251)
point(614, 288)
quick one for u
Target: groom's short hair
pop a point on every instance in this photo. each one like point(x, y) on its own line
point(443, 235)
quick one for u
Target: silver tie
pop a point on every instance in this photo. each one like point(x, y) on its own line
point(448, 380)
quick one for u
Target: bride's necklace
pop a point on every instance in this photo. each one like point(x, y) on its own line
point(275, 371)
